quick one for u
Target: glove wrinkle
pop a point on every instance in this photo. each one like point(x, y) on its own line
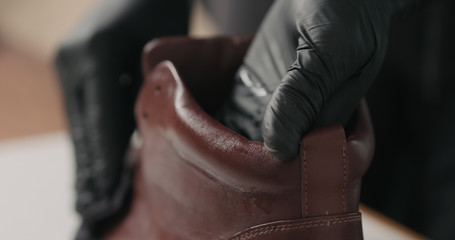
point(319, 58)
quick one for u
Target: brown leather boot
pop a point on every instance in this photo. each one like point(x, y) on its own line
point(196, 179)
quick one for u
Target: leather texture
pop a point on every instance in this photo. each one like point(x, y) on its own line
point(196, 179)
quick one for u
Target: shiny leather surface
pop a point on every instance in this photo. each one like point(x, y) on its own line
point(196, 179)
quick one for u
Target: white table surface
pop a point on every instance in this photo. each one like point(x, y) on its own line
point(36, 193)
point(36, 188)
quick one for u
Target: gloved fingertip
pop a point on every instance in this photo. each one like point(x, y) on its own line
point(281, 155)
point(278, 142)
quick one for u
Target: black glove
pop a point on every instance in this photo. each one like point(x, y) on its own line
point(99, 68)
point(310, 64)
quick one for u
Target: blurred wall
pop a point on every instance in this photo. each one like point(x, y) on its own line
point(36, 26)
point(30, 30)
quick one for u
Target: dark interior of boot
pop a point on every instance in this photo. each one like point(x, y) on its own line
point(210, 90)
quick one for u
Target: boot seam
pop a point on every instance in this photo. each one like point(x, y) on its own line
point(249, 234)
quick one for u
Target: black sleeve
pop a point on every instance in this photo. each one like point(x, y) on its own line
point(99, 68)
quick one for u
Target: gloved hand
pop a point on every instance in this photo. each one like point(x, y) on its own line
point(99, 68)
point(319, 58)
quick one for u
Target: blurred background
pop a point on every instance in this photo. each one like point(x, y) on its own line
point(36, 171)
point(36, 155)
point(29, 34)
